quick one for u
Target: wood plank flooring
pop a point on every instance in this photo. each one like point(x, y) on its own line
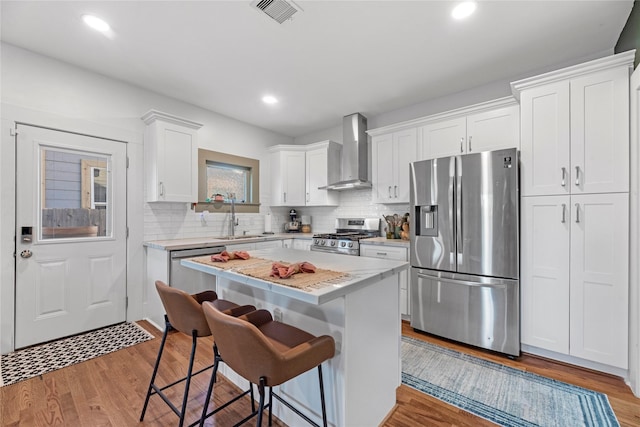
point(110, 390)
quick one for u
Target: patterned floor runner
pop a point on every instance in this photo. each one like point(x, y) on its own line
point(29, 362)
point(506, 396)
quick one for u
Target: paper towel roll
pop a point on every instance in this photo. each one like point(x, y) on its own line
point(267, 223)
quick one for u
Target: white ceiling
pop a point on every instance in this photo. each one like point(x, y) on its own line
point(332, 59)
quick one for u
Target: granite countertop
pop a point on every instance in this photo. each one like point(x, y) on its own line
point(208, 242)
point(362, 272)
point(385, 241)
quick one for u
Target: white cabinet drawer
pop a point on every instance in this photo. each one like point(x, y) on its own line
point(384, 252)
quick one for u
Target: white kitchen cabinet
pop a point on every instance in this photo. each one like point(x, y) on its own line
point(302, 244)
point(287, 243)
point(171, 158)
point(288, 177)
point(575, 133)
point(544, 272)
point(322, 168)
point(492, 129)
point(297, 172)
point(396, 253)
point(574, 276)
point(599, 273)
point(392, 154)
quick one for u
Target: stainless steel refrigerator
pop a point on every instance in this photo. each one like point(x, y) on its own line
point(465, 249)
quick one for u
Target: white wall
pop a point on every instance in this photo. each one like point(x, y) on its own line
point(40, 90)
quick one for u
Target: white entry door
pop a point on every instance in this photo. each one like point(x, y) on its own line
point(70, 234)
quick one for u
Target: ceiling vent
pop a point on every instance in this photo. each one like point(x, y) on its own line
point(278, 10)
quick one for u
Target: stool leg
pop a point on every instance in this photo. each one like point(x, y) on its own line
point(270, 406)
point(253, 402)
point(324, 409)
point(194, 342)
point(216, 361)
point(155, 368)
point(261, 408)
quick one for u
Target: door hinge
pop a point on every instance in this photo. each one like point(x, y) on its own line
point(13, 132)
point(127, 162)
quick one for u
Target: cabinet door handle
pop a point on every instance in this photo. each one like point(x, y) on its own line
point(285, 197)
point(470, 144)
point(161, 188)
point(395, 191)
point(381, 253)
point(577, 212)
point(564, 213)
point(462, 145)
point(389, 191)
point(577, 175)
point(564, 176)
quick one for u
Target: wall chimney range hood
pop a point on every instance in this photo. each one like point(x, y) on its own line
point(355, 155)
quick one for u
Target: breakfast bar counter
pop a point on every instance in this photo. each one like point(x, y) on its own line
point(359, 308)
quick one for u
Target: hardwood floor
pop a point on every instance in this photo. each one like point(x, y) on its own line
point(110, 390)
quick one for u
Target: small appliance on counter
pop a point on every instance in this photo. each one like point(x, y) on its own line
point(293, 226)
point(305, 221)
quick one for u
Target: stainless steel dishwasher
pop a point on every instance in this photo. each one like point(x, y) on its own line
point(187, 279)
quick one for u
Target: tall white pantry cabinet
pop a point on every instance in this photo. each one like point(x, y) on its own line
point(575, 212)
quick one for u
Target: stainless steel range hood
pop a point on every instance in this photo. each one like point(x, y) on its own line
point(355, 153)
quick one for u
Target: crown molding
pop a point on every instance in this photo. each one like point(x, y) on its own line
point(153, 115)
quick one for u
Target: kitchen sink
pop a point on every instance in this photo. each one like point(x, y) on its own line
point(248, 236)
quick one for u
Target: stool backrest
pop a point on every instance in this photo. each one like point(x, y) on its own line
point(242, 346)
point(184, 312)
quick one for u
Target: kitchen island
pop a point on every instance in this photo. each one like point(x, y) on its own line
point(360, 311)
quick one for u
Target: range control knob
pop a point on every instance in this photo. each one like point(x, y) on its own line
point(317, 241)
point(343, 244)
point(333, 243)
point(350, 244)
point(323, 243)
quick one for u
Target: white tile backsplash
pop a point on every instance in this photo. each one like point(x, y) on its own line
point(177, 220)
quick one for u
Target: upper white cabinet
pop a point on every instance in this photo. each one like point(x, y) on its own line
point(491, 129)
point(575, 129)
point(297, 172)
point(171, 158)
point(323, 168)
point(288, 177)
point(392, 154)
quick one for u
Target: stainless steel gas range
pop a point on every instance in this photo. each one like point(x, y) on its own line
point(345, 240)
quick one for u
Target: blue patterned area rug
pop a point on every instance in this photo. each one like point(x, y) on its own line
point(40, 359)
point(506, 396)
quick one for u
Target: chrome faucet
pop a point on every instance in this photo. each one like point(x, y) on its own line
point(233, 222)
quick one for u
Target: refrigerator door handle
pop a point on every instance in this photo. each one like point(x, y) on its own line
point(463, 282)
point(459, 207)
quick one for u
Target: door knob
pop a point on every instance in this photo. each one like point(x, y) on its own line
point(26, 253)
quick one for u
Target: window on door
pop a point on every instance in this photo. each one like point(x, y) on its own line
point(74, 194)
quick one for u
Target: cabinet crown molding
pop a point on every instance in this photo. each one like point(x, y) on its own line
point(153, 115)
point(306, 147)
point(458, 112)
point(601, 64)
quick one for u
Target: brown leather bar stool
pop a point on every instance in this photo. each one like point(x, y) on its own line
point(267, 353)
point(184, 314)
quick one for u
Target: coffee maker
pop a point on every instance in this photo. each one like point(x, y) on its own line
point(293, 226)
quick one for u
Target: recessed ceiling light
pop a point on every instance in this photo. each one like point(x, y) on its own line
point(268, 99)
point(463, 10)
point(96, 23)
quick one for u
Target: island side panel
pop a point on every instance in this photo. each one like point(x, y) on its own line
point(372, 347)
point(303, 391)
point(157, 268)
